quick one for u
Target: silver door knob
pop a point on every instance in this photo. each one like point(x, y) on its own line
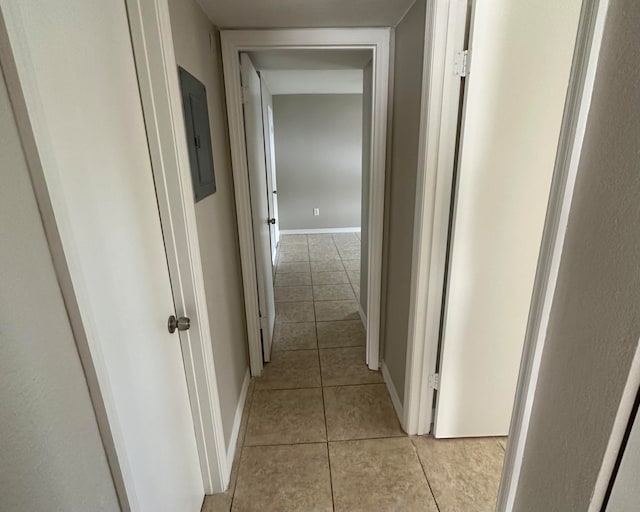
point(182, 324)
point(271, 221)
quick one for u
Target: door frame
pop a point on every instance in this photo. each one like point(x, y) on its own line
point(376, 39)
point(439, 123)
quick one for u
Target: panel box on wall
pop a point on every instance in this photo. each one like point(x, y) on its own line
point(196, 118)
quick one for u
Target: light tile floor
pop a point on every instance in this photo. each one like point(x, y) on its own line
point(319, 432)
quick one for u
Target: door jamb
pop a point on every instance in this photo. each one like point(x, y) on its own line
point(440, 104)
point(156, 67)
point(432, 220)
point(376, 39)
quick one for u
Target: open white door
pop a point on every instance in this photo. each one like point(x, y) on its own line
point(270, 158)
point(273, 187)
point(256, 163)
point(520, 56)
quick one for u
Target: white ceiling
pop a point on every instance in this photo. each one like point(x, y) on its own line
point(317, 81)
point(305, 13)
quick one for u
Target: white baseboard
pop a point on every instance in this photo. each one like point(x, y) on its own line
point(318, 231)
point(395, 399)
point(233, 441)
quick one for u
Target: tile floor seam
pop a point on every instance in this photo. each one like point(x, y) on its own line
point(424, 472)
point(324, 409)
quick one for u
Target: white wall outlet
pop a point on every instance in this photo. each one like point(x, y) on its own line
point(316, 212)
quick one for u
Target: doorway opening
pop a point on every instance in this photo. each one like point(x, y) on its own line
point(306, 132)
point(307, 116)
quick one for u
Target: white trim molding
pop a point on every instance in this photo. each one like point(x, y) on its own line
point(393, 393)
point(378, 41)
point(578, 102)
point(318, 231)
point(440, 103)
point(156, 67)
point(237, 419)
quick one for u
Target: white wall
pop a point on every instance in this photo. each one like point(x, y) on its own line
point(215, 214)
point(318, 140)
point(50, 448)
point(594, 326)
point(625, 494)
point(400, 192)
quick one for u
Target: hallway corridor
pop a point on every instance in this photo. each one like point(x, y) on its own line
point(319, 431)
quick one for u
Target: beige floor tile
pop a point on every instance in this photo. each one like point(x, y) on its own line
point(327, 266)
point(286, 417)
point(284, 478)
point(341, 334)
point(294, 336)
point(294, 266)
point(293, 249)
point(354, 276)
point(325, 237)
point(348, 245)
point(378, 475)
point(293, 293)
point(333, 292)
point(217, 502)
point(356, 291)
point(351, 253)
point(293, 257)
point(291, 369)
point(324, 255)
point(293, 279)
point(464, 473)
point(292, 240)
point(360, 412)
point(346, 366)
point(351, 264)
point(330, 310)
point(344, 237)
point(294, 312)
point(336, 277)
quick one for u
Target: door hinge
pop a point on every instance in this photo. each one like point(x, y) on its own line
point(462, 62)
point(434, 380)
point(244, 94)
point(264, 322)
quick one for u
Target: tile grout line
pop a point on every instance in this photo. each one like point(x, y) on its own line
point(424, 472)
point(324, 409)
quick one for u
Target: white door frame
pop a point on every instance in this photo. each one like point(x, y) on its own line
point(435, 172)
point(161, 99)
point(375, 39)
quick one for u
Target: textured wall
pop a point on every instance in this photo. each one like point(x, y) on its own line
point(50, 448)
point(215, 214)
point(318, 139)
point(595, 319)
point(401, 190)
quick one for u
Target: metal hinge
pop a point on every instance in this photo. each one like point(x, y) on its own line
point(434, 380)
point(244, 93)
point(264, 322)
point(462, 62)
